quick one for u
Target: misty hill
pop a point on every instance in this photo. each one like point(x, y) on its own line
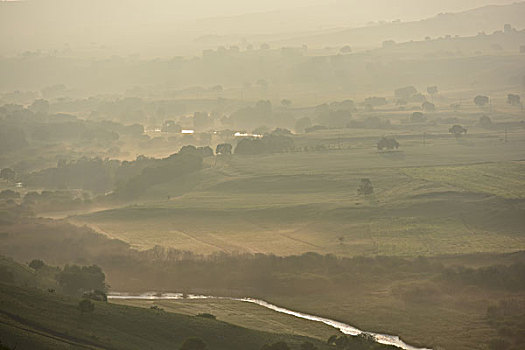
point(485, 19)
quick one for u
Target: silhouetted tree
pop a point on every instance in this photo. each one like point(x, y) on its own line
point(223, 149)
point(514, 100)
point(432, 90)
point(365, 187)
point(7, 174)
point(286, 103)
point(481, 100)
point(86, 306)
point(36, 264)
point(345, 49)
point(387, 142)
point(457, 130)
point(417, 117)
point(485, 121)
point(428, 106)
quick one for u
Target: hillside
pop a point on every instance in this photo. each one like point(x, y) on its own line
point(485, 19)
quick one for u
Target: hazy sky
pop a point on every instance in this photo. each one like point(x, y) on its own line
point(42, 24)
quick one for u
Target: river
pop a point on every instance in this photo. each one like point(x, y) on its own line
point(343, 327)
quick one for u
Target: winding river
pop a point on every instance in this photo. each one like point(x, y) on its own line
point(343, 327)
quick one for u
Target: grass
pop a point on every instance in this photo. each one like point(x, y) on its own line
point(241, 314)
point(33, 319)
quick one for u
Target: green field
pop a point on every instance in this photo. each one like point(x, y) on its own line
point(446, 197)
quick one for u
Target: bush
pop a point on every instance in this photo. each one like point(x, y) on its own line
point(86, 306)
point(36, 264)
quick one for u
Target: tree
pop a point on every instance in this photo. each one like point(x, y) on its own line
point(7, 174)
point(9, 194)
point(286, 103)
point(365, 188)
point(514, 100)
point(428, 106)
point(388, 142)
point(40, 106)
point(193, 344)
point(86, 306)
point(75, 279)
point(485, 121)
point(417, 117)
point(405, 93)
point(345, 49)
point(36, 264)
point(457, 130)
point(481, 100)
point(223, 149)
point(432, 90)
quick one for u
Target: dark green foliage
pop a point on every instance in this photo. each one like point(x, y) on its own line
point(485, 121)
point(417, 117)
point(96, 295)
point(163, 171)
point(193, 344)
point(76, 279)
point(405, 93)
point(9, 194)
point(267, 144)
point(365, 187)
point(501, 277)
point(513, 99)
point(481, 100)
point(387, 142)
point(36, 264)
point(428, 106)
point(86, 306)
point(203, 152)
point(375, 101)
point(7, 174)
point(223, 149)
point(457, 130)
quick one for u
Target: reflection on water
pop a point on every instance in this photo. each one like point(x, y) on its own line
point(344, 328)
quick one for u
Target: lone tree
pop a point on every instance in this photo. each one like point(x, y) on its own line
point(388, 142)
point(365, 188)
point(457, 130)
point(432, 90)
point(514, 100)
point(485, 121)
point(86, 306)
point(286, 103)
point(194, 344)
point(7, 174)
point(36, 264)
point(428, 106)
point(481, 100)
point(417, 117)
